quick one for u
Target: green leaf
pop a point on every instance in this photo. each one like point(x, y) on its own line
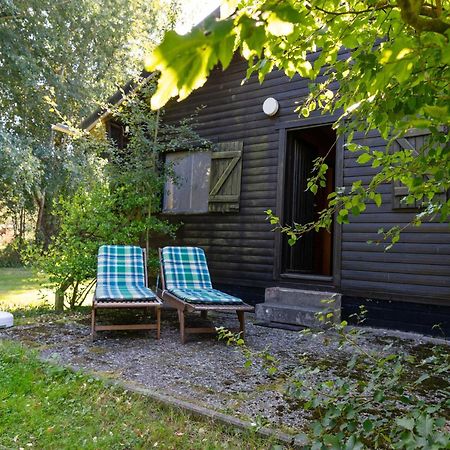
point(185, 61)
point(405, 422)
point(364, 158)
point(367, 425)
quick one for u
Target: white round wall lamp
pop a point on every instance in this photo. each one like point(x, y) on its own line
point(270, 106)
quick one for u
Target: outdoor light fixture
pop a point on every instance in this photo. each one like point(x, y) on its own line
point(270, 106)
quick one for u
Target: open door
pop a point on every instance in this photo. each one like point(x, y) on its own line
point(313, 253)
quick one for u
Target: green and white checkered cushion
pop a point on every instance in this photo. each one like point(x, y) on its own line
point(185, 267)
point(186, 276)
point(205, 296)
point(121, 274)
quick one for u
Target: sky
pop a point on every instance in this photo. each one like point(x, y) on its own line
point(193, 11)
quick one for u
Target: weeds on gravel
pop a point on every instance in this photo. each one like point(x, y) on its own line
point(373, 400)
point(49, 407)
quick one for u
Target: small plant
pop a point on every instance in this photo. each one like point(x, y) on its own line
point(269, 362)
point(378, 400)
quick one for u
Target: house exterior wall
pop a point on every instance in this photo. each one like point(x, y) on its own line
point(242, 249)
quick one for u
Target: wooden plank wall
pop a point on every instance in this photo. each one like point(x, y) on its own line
point(240, 246)
point(416, 268)
point(239, 243)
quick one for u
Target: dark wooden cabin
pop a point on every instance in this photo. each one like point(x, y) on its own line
point(262, 162)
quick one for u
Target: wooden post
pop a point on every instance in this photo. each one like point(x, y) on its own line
point(181, 319)
point(241, 318)
point(158, 323)
point(93, 334)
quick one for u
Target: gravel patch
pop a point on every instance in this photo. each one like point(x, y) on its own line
point(204, 371)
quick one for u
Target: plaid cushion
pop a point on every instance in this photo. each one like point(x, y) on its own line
point(121, 274)
point(185, 267)
point(205, 296)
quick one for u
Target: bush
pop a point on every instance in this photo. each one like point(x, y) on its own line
point(10, 256)
point(92, 217)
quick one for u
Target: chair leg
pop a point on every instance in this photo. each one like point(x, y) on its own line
point(241, 318)
point(181, 320)
point(204, 314)
point(158, 323)
point(93, 318)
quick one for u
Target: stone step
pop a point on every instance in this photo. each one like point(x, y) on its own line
point(302, 316)
point(300, 297)
point(297, 307)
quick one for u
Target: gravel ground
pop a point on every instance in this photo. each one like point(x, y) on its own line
point(204, 370)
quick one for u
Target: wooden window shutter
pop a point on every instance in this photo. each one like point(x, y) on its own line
point(414, 141)
point(225, 178)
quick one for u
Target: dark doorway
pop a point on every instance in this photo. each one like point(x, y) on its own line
point(313, 253)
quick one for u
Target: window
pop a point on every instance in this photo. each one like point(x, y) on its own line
point(205, 181)
point(415, 140)
point(189, 191)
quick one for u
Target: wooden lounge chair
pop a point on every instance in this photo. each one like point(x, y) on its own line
point(122, 283)
point(186, 285)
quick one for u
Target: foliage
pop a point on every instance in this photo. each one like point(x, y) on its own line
point(90, 218)
point(43, 405)
point(139, 169)
point(120, 204)
point(379, 400)
point(68, 54)
point(19, 175)
point(376, 65)
point(73, 51)
point(10, 256)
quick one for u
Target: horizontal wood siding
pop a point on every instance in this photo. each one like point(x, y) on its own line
point(416, 268)
point(240, 246)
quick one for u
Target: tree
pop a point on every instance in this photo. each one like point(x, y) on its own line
point(68, 54)
point(382, 65)
point(118, 203)
point(20, 170)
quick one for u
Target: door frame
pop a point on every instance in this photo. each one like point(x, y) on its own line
point(283, 129)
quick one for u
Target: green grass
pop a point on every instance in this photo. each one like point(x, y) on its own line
point(45, 406)
point(19, 289)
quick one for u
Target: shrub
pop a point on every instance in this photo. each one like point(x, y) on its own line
point(92, 217)
point(10, 255)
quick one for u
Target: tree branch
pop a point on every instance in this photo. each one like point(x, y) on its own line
point(412, 12)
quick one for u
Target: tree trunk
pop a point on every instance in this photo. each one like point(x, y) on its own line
point(47, 223)
point(59, 301)
point(60, 295)
point(39, 198)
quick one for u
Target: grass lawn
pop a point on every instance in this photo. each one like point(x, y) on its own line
point(47, 407)
point(19, 288)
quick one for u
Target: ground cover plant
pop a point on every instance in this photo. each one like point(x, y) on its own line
point(46, 406)
point(369, 399)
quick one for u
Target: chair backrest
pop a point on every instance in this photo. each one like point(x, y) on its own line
point(185, 267)
point(121, 265)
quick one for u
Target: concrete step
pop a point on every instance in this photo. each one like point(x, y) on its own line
point(299, 297)
point(306, 317)
point(297, 307)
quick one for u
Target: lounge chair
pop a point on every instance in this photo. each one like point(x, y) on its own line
point(122, 283)
point(186, 285)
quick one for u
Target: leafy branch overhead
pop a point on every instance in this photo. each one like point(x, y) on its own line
point(377, 65)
